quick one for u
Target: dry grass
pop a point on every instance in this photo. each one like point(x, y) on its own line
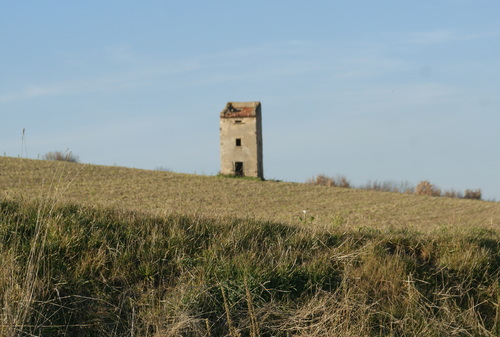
point(69, 271)
point(110, 251)
point(160, 193)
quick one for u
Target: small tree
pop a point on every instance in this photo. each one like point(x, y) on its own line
point(61, 156)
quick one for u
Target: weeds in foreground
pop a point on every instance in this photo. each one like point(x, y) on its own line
point(74, 271)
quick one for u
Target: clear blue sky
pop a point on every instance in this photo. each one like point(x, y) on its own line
point(373, 90)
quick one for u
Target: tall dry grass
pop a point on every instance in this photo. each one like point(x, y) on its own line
point(79, 271)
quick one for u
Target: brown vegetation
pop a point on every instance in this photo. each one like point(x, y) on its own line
point(61, 156)
point(473, 194)
point(110, 251)
point(68, 270)
point(323, 180)
point(159, 192)
point(423, 188)
point(426, 188)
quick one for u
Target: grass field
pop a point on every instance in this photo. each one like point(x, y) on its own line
point(160, 193)
point(109, 251)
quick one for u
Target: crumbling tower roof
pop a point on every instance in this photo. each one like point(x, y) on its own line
point(241, 109)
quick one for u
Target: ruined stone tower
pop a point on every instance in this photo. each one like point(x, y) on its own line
point(241, 139)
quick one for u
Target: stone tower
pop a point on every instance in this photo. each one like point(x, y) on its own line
point(241, 139)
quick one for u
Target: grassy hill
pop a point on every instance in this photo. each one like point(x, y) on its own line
point(110, 251)
point(159, 193)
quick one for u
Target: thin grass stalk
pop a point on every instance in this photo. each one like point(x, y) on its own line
point(254, 325)
point(207, 325)
point(233, 332)
point(32, 269)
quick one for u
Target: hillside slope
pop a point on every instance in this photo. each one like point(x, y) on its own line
point(108, 251)
point(159, 192)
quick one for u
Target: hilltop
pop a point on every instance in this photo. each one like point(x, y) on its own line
point(159, 192)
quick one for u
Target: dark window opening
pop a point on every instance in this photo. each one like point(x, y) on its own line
point(237, 121)
point(238, 168)
point(238, 141)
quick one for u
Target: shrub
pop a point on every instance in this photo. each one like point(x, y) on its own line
point(426, 188)
point(323, 180)
point(473, 194)
point(61, 156)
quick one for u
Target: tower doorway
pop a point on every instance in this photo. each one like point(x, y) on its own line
point(238, 169)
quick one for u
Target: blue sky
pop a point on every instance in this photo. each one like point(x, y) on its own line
point(373, 90)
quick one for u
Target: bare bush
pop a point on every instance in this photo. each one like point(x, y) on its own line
point(473, 194)
point(61, 156)
point(323, 180)
point(426, 188)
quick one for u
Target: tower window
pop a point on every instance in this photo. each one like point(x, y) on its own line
point(238, 141)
